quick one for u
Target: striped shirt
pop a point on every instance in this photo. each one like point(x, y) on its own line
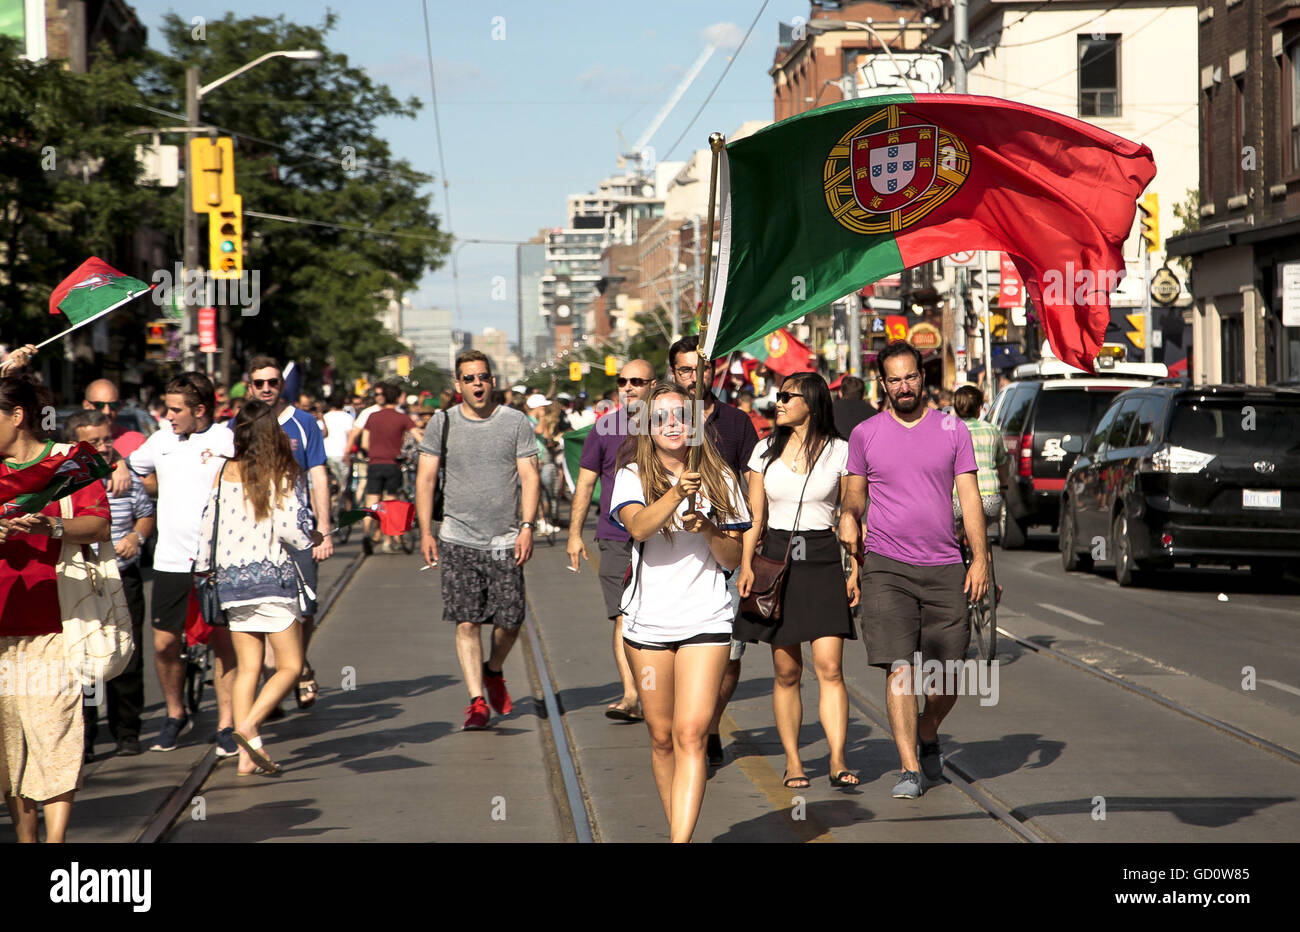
point(126, 510)
point(989, 453)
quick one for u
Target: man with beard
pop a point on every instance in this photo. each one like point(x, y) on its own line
point(913, 581)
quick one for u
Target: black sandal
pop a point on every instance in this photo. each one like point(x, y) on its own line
point(790, 782)
point(307, 689)
point(837, 779)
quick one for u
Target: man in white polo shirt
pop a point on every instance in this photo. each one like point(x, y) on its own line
point(179, 466)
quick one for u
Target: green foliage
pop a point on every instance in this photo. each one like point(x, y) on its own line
point(649, 344)
point(68, 186)
point(1188, 213)
point(428, 377)
point(307, 146)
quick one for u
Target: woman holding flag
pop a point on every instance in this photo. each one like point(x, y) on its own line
point(677, 615)
point(41, 731)
point(258, 509)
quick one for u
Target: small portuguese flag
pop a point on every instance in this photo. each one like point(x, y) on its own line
point(93, 290)
point(782, 353)
point(823, 203)
point(572, 442)
point(395, 517)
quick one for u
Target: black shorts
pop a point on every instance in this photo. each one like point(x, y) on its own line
point(715, 638)
point(909, 609)
point(615, 558)
point(383, 479)
point(481, 586)
point(306, 564)
point(170, 600)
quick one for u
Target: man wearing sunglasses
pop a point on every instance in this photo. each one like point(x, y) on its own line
point(101, 395)
point(600, 460)
point(490, 458)
point(734, 435)
point(308, 446)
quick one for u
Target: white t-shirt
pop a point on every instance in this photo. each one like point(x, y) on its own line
point(782, 486)
point(336, 441)
point(365, 416)
point(681, 590)
point(186, 467)
point(584, 418)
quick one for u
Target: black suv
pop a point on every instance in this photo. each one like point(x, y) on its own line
point(1033, 415)
point(1173, 474)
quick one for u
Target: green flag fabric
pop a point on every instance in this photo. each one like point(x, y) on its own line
point(93, 290)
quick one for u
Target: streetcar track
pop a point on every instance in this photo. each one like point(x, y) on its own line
point(160, 823)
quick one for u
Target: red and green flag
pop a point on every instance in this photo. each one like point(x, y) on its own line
point(826, 202)
point(572, 441)
point(93, 290)
point(782, 353)
point(27, 491)
point(395, 518)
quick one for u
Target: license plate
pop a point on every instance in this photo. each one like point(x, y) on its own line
point(1257, 498)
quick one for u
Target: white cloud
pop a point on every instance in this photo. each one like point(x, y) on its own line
point(723, 35)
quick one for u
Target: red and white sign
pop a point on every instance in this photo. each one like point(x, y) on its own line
point(1012, 291)
point(966, 257)
point(207, 330)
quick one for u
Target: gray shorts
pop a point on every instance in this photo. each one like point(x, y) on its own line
point(481, 586)
point(615, 557)
point(908, 608)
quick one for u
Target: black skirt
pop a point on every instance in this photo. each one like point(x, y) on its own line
point(814, 604)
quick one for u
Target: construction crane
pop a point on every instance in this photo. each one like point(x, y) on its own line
point(639, 155)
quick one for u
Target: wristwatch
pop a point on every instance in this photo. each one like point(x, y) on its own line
point(526, 524)
point(57, 530)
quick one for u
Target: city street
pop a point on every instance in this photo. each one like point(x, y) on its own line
point(1062, 756)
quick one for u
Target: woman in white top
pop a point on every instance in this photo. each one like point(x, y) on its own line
point(263, 511)
point(676, 609)
point(805, 460)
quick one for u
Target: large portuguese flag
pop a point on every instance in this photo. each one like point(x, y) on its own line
point(828, 201)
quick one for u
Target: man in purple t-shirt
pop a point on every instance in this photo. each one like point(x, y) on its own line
point(910, 457)
point(600, 460)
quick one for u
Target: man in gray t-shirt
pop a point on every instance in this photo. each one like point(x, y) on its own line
point(490, 456)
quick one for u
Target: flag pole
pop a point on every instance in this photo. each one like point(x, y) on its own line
point(716, 143)
point(92, 319)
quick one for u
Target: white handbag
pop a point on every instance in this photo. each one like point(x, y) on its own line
point(96, 620)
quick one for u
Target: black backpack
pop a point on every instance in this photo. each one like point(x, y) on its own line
point(439, 486)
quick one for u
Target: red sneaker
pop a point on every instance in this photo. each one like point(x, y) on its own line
point(497, 695)
point(476, 716)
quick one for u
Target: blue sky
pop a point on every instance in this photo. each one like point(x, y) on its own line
point(532, 117)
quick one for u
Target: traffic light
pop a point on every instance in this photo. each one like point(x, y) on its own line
point(155, 340)
point(403, 366)
point(226, 239)
point(575, 372)
point(212, 173)
point(1150, 207)
point(998, 326)
point(611, 365)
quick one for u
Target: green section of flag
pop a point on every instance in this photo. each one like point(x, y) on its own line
point(81, 304)
point(788, 253)
point(573, 441)
point(353, 516)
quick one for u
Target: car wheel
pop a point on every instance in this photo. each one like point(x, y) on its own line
point(1127, 572)
point(1071, 559)
point(1011, 533)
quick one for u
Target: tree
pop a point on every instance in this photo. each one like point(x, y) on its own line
point(307, 146)
point(68, 178)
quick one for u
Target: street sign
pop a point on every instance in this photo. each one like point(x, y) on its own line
point(207, 330)
point(896, 327)
point(925, 336)
point(1011, 292)
point(1291, 294)
point(1165, 286)
point(965, 257)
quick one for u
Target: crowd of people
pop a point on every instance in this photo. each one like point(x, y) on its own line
point(703, 496)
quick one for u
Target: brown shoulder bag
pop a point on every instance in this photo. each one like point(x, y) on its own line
point(764, 599)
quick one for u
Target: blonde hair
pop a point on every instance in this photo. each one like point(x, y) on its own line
point(655, 478)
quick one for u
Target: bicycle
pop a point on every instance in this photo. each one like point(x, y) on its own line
point(340, 502)
point(408, 464)
point(982, 614)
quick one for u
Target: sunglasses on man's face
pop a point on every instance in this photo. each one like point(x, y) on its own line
point(106, 405)
point(638, 383)
point(473, 377)
point(268, 383)
point(784, 397)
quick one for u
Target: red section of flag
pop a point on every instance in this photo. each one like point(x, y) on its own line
point(395, 518)
point(1055, 193)
point(26, 491)
point(92, 270)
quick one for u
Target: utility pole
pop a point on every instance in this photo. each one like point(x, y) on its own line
point(989, 385)
point(961, 41)
point(961, 46)
point(677, 300)
point(189, 327)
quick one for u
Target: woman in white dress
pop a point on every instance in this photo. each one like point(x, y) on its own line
point(258, 509)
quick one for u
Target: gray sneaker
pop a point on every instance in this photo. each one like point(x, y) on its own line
point(908, 785)
point(931, 760)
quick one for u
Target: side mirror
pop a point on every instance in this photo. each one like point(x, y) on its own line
point(1071, 443)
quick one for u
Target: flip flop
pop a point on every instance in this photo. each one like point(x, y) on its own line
point(792, 783)
point(254, 748)
point(624, 715)
point(837, 779)
point(308, 691)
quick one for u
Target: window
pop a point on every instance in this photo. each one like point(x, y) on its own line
point(1292, 65)
point(1099, 76)
point(1150, 419)
point(1122, 426)
point(1232, 349)
point(1016, 408)
point(1099, 434)
point(1239, 132)
point(1207, 122)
